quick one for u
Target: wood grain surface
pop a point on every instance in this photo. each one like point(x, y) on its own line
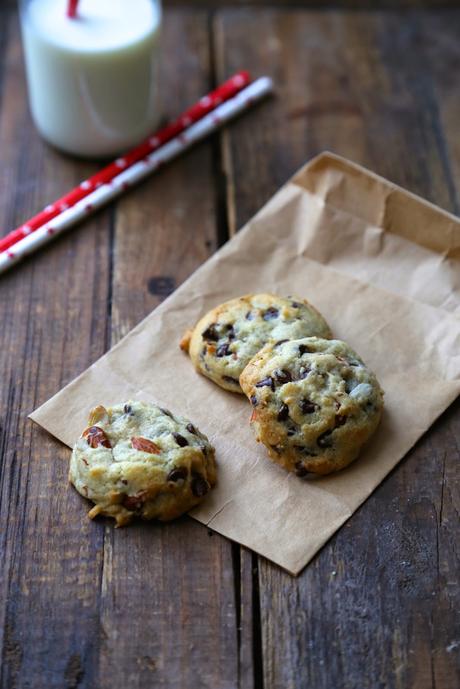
point(175, 606)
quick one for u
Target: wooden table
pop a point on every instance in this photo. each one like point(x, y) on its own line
point(176, 606)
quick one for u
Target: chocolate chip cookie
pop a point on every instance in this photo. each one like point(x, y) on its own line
point(314, 403)
point(227, 337)
point(137, 459)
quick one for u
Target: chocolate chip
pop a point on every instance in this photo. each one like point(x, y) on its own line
point(230, 331)
point(177, 474)
point(300, 470)
point(180, 440)
point(254, 400)
point(303, 349)
point(282, 376)
point(191, 428)
point(340, 420)
point(250, 316)
point(283, 412)
point(127, 409)
point(324, 440)
point(295, 304)
point(199, 486)
point(304, 371)
point(166, 412)
point(307, 407)
point(229, 379)
point(266, 382)
point(350, 384)
point(305, 450)
point(124, 481)
point(210, 334)
point(270, 313)
point(280, 342)
point(292, 430)
point(223, 350)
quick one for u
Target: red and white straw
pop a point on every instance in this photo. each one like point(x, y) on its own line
point(130, 174)
point(208, 103)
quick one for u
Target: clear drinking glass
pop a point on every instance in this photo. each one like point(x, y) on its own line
point(93, 79)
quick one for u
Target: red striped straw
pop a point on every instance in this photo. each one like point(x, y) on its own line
point(129, 176)
point(72, 8)
point(205, 105)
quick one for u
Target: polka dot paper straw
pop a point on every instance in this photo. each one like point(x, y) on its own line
point(130, 173)
point(205, 105)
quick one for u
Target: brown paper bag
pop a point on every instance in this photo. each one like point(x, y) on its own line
point(383, 267)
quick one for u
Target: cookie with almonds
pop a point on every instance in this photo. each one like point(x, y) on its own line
point(315, 403)
point(137, 459)
point(227, 337)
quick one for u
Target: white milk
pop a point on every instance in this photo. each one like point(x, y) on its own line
point(93, 83)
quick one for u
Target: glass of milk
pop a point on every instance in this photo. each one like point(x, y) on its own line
point(93, 79)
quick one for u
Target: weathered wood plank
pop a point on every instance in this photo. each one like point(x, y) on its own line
point(168, 599)
point(377, 606)
point(52, 314)
point(438, 32)
point(440, 60)
point(340, 85)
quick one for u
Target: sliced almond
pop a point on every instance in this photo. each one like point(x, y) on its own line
point(145, 445)
point(184, 344)
point(97, 415)
point(95, 437)
point(94, 511)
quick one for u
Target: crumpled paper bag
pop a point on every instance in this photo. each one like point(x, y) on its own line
point(383, 267)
